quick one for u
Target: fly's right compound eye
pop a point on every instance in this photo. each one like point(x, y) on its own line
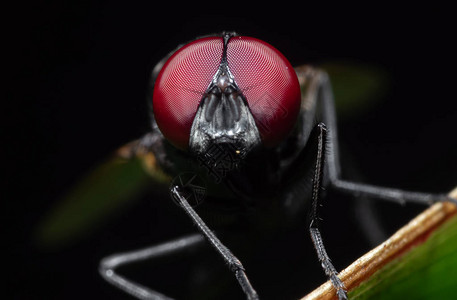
point(181, 85)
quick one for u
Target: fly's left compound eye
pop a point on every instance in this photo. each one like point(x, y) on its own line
point(180, 86)
point(269, 84)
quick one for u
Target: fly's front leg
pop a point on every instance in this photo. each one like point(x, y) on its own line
point(233, 263)
point(306, 178)
point(326, 263)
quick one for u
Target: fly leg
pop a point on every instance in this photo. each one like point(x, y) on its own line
point(325, 98)
point(109, 264)
point(233, 263)
point(316, 237)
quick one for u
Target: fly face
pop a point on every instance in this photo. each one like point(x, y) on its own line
point(236, 92)
point(223, 117)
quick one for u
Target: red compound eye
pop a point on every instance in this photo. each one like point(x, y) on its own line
point(180, 86)
point(269, 84)
point(263, 74)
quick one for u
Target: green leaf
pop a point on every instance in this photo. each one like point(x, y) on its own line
point(428, 271)
point(105, 191)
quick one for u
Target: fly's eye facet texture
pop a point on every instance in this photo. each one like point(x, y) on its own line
point(264, 76)
point(269, 84)
point(180, 86)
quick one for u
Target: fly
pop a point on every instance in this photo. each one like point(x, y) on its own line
point(231, 108)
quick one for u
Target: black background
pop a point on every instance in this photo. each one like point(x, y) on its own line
point(77, 75)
